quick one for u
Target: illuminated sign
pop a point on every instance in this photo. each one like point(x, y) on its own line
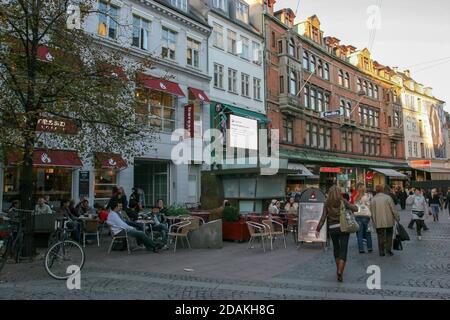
point(330, 170)
point(420, 164)
point(243, 133)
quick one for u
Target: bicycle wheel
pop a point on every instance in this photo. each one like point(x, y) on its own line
point(4, 248)
point(60, 256)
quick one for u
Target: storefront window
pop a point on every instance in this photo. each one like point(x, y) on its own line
point(157, 108)
point(105, 180)
point(152, 177)
point(51, 181)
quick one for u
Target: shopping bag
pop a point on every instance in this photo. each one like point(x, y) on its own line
point(397, 245)
point(402, 233)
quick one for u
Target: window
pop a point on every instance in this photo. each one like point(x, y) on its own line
point(169, 40)
point(394, 149)
point(320, 68)
point(319, 101)
point(376, 123)
point(344, 141)
point(273, 39)
point(358, 85)
point(328, 139)
point(288, 130)
point(314, 136)
point(218, 35)
point(180, 4)
point(305, 60)
point(326, 73)
point(366, 87)
point(280, 46)
point(245, 48)
point(348, 110)
point(108, 20)
point(410, 148)
point(361, 115)
point(292, 48)
point(416, 154)
point(422, 150)
point(376, 93)
point(257, 53)
point(232, 80)
point(312, 66)
point(232, 42)
point(349, 142)
point(281, 84)
point(321, 137)
point(312, 100)
point(371, 118)
point(156, 108)
point(292, 83)
point(326, 106)
point(220, 4)
point(308, 135)
point(396, 119)
point(342, 107)
point(347, 80)
point(218, 76)
point(370, 90)
point(193, 53)
point(306, 97)
point(341, 78)
point(378, 147)
point(242, 11)
point(141, 30)
point(256, 89)
point(245, 85)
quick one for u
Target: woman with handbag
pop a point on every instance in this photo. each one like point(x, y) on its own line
point(332, 213)
point(418, 210)
point(362, 201)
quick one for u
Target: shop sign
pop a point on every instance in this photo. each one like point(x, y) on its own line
point(420, 164)
point(369, 175)
point(55, 125)
point(330, 170)
point(189, 120)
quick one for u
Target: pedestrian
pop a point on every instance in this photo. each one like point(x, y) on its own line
point(362, 201)
point(402, 195)
point(418, 210)
point(123, 197)
point(384, 215)
point(331, 214)
point(435, 204)
point(447, 201)
point(388, 190)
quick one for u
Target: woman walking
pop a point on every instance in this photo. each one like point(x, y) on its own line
point(418, 210)
point(435, 204)
point(362, 201)
point(331, 214)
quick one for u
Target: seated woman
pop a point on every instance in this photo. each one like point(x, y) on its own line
point(133, 213)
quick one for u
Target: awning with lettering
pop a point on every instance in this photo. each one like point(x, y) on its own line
point(390, 173)
point(160, 85)
point(301, 170)
point(199, 94)
point(110, 160)
point(51, 158)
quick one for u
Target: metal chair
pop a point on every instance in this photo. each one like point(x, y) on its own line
point(119, 236)
point(180, 230)
point(90, 228)
point(275, 229)
point(292, 221)
point(257, 230)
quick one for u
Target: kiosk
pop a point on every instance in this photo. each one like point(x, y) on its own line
point(310, 209)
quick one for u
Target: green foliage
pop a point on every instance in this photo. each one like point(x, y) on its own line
point(230, 214)
point(177, 210)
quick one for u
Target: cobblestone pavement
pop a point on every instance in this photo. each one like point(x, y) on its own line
point(420, 271)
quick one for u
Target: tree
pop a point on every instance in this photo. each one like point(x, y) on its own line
point(50, 69)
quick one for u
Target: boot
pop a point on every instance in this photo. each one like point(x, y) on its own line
point(341, 268)
point(337, 265)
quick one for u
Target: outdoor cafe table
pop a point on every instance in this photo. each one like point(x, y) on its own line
point(144, 223)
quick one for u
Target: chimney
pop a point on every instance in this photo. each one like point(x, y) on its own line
point(270, 6)
point(395, 69)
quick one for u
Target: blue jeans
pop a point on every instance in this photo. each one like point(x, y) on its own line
point(163, 229)
point(435, 211)
point(363, 233)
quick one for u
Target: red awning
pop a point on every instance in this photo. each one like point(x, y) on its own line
point(161, 85)
point(115, 71)
point(51, 158)
point(199, 94)
point(44, 54)
point(110, 160)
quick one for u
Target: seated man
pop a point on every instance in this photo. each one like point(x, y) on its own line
point(118, 226)
point(85, 210)
point(42, 208)
point(160, 225)
point(64, 211)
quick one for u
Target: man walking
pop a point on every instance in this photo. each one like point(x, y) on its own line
point(384, 215)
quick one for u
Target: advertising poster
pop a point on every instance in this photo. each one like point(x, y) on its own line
point(437, 125)
point(243, 133)
point(309, 217)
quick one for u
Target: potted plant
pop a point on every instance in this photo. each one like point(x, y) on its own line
point(234, 227)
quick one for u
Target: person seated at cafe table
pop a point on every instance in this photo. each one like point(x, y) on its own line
point(160, 225)
point(162, 208)
point(64, 211)
point(85, 209)
point(101, 212)
point(118, 226)
point(291, 207)
point(41, 207)
point(133, 212)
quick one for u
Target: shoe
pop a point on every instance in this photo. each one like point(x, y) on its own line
point(390, 253)
point(339, 277)
point(156, 250)
point(419, 238)
point(362, 251)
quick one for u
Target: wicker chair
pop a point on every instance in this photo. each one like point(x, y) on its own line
point(90, 228)
point(119, 236)
point(180, 230)
point(257, 231)
point(275, 229)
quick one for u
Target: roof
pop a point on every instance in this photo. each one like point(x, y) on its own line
point(192, 13)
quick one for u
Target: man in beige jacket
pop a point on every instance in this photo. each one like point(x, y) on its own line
point(384, 215)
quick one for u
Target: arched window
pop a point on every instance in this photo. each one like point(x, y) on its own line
point(292, 83)
point(365, 88)
point(348, 110)
point(305, 60)
point(370, 90)
point(326, 73)
point(320, 68)
point(341, 77)
point(312, 67)
point(292, 48)
point(347, 80)
point(375, 92)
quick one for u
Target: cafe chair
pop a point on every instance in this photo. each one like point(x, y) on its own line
point(90, 228)
point(257, 231)
point(275, 229)
point(120, 236)
point(180, 230)
point(292, 225)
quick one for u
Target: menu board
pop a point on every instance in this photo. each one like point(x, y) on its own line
point(309, 217)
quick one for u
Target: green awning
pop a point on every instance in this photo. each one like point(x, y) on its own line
point(311, 156)
point(244, 112)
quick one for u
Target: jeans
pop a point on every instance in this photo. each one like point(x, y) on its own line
point(419, 226)
point(385, 239)
point(340, 243)
point(435, 211)
point(163, 229)
point(363, 233)
point(142, 238)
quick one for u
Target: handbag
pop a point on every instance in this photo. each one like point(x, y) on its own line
point(347, 220)
point(397, 245)
point(363, 211)
point(420, 214)
point(402, 233)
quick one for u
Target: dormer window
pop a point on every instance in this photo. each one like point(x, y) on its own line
point(180, 4)
point(242, 11)
point(220, 4)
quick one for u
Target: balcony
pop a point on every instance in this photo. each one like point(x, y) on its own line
point(289, 104)
point(347, 122)
point(395, 133)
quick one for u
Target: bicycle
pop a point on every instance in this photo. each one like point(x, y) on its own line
point(11, 240)
point(63, 252)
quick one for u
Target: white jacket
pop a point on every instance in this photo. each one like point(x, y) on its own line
point(418, 204)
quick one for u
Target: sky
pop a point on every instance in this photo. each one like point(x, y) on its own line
point(413, 34)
